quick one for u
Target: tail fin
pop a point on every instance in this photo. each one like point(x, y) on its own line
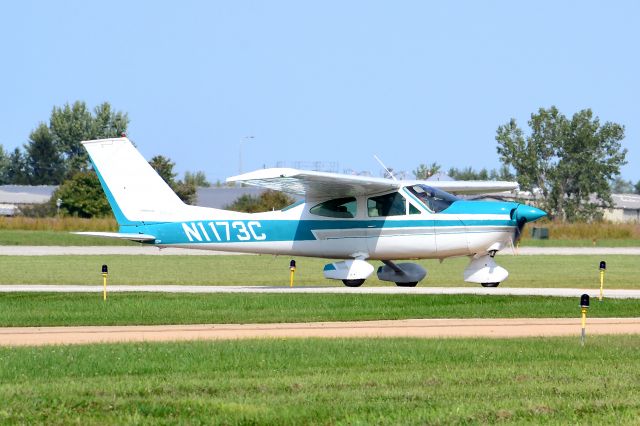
point(135, 191)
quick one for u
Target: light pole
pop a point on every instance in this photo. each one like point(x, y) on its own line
point(244, 139)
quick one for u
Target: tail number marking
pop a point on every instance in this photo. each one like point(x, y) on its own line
point(224, 231)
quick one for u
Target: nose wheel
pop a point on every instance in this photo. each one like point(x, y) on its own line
point(353, 283)
point(489, 284)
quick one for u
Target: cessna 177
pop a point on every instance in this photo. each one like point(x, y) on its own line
point(353, 219)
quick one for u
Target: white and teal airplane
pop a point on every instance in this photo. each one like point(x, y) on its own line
point(353, 219)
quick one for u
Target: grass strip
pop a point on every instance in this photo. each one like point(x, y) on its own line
point(333, 381)
point(21, 237)
point(38, 309)
point(525, 271)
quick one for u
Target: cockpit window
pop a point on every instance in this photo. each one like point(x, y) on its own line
point(435, 199)
point(392, 204)
point(338, 207)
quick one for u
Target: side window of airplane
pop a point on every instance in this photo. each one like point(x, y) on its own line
point(339, 207)
point(392, 204)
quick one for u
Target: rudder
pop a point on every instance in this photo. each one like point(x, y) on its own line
point(133, 188)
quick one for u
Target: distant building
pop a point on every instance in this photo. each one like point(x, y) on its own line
point(626, 208)
point(12, 197)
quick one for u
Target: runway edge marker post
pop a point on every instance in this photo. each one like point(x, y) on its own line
point(105, 273)
point(584, 306)
point(603, 268)
point(292, 270)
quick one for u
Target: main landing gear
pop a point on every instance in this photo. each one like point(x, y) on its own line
point(353, 273)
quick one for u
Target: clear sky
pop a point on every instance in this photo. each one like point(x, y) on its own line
point(335, 81)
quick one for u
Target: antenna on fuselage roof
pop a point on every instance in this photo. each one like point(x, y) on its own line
point(384, 167)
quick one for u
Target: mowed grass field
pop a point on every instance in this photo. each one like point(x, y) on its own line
point(525, 271)
point(330, 381)
point(64, 309)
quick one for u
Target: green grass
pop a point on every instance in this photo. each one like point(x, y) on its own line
point(525, 271)
point(331, 381)
point(627, 242)
point(38, 309)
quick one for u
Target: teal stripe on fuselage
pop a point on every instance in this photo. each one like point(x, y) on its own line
point(234, 231)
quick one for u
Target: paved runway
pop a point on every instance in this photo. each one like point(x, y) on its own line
point(499, 291)
point(416, 328)
point(151, 250)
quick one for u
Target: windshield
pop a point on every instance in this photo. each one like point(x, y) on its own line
point(435, 199)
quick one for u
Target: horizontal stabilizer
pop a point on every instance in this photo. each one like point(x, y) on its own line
point(119, 235)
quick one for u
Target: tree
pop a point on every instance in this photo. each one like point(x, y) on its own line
point(71, 124)
point(164, 167)
point(621, 186)
point(82, 196)
point(570, 162)
point(469, 173)
point(636, 187)
point(43, 163)
point(17, 171)
point(267, 201)
point(424, 172)
point(196, 179)
point(5, 164)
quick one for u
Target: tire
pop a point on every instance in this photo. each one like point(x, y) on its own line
point(490, 284)
point(353, 283)
point(411, 284)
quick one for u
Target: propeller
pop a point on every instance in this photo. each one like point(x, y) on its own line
point(522, 215)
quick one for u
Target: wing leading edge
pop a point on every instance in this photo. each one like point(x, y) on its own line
point(321, 184)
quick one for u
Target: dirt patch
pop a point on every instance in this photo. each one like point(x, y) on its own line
point(420, 328)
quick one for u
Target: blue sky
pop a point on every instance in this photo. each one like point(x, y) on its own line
point(334, 81)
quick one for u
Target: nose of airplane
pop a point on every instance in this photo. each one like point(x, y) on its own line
point(528, 214)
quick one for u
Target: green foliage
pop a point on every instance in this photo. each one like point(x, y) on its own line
point(267, 201)
point(196, 179)
point(469, 173)
point(424, 172)
point(568, 160)
point(71, 124)
point(164, 167)
point(82, 196)
point(43, 161)
point(621, 186)
point(16, 172)
point(5, 164)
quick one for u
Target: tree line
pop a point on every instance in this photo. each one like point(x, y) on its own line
point(571, 165)
point(54, 155)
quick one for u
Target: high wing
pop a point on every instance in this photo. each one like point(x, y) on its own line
point(321, 184)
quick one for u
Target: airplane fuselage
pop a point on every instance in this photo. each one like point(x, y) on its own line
point(297, 232)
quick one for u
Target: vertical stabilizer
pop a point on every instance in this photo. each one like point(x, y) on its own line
point(135, 191)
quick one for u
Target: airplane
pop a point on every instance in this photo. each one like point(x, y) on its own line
point(351, 219)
